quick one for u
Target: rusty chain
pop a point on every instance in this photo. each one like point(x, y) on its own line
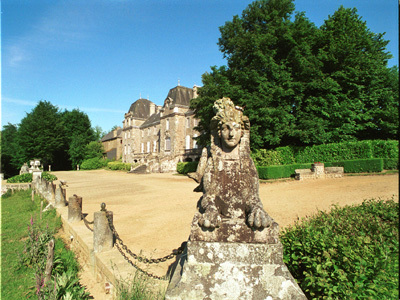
point(165, 277)
point(87, 222)
point(120, 245)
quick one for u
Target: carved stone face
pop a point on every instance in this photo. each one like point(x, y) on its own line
point(231, 134)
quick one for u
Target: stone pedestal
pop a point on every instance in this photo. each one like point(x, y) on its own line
point(232, 262)
point(60, 197)
point(103, 238)
point(36, 173)
point(74, 209)
point(215, 270)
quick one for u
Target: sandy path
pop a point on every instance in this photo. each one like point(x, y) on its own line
point(152, 213)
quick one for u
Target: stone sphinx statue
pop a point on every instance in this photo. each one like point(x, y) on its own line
point(229, 181)
point(233, 251)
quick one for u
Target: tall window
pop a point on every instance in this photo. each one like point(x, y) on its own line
point(148, 147)
point(168, 144)
point(142, 148)
point(154, 146)
point(187, 122)
point(167, 124)
point(187, 139)
point(194, 142)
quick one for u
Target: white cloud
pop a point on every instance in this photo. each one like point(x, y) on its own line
point(19, 101)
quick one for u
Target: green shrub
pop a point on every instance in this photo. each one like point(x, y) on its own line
point(350, 253)
point(27, 177)
point(275, 172)
point(94, 163)
point(186, 167)
point(49, 177)
point(391, 163)
point(359, 165)
point(118, 165)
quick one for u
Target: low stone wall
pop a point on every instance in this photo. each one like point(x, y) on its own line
point(318, 171)
point(15, 187)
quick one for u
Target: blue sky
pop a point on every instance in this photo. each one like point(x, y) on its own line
point(102, 55)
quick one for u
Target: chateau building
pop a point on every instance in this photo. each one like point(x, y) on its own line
point(161, 136)
point(112, 143)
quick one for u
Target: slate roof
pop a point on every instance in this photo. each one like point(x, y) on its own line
point(110, 136)
point(154, 118)
point(140, 108)
point(181, 95)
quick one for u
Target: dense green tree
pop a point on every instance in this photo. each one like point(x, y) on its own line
point(98, 133)
point(355, 61)
point(94, 149)
point(56, 138)
point(41, 135)
point(301, 84)
point(78, 133)
point(9, 162)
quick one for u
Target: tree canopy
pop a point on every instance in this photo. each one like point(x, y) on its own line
point(57, 138)
point(300, 84)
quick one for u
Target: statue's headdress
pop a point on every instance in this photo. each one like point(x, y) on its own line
point(226, 111)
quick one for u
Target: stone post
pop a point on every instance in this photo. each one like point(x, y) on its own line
point(74, 209)
point(318, 169)
point(77, 167)
point(103, 239)
point(49, 168)
point(59, 200)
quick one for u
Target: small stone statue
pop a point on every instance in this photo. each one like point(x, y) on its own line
point(227, 174)
point(24, 169)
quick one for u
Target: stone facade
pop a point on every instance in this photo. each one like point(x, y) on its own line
point(161, 136)
point(112, 143)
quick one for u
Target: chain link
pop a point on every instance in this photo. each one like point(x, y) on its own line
point(165, 277)
point(87, 222)
point(120, 245)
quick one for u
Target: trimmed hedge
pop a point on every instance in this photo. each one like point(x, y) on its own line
point(330, 153)
point(186, 167)
point(118, 165)
point(390, 163)
point(275, 172)
point(359, 165)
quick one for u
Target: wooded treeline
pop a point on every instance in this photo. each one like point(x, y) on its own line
point(300, 84)
point(61, 139)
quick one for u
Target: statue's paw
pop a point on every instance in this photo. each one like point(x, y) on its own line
point(210, 219)
point(258, 218)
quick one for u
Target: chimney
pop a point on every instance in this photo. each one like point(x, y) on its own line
point(195, 95)
point(152, 108)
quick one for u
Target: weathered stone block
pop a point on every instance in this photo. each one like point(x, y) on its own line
point(213, 270)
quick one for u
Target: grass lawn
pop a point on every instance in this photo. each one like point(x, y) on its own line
point(17, 280)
